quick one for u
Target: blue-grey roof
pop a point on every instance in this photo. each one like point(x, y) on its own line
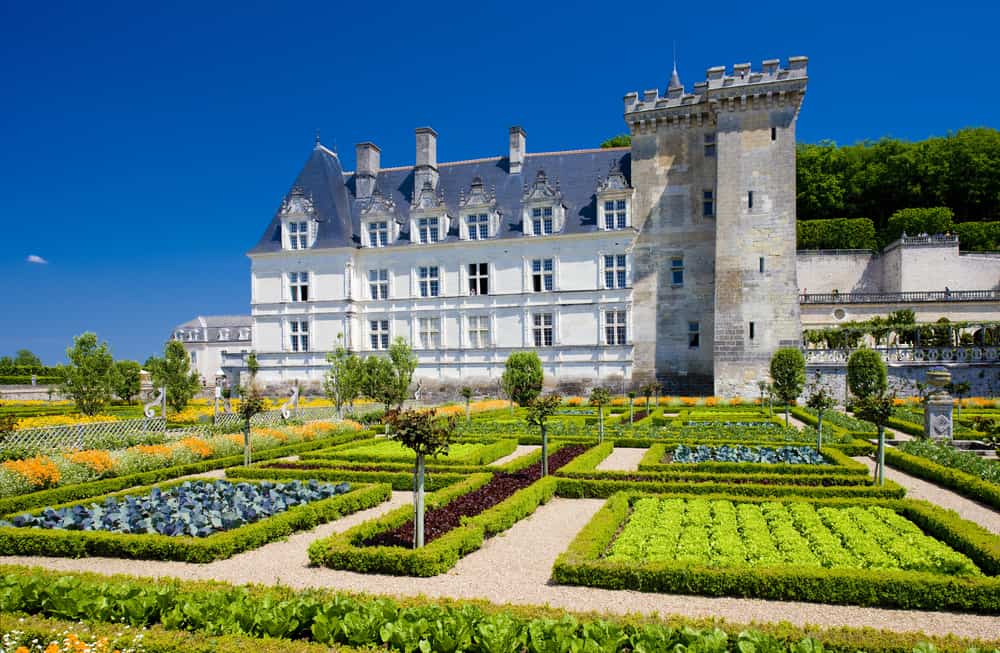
point(577, 174)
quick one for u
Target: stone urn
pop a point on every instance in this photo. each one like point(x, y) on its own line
point(938, 378)
point(937, 409)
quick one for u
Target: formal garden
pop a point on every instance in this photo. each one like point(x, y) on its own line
point(524, 522)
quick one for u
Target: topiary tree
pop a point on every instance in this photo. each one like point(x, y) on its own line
point(866, 373)
point(174, 373)
point(251, 403)
point(648, 391)
point(127, 380)
point(959, 390)
point(877, 408)
point(820, 401)
point(540, 409)
point(466, 393)
point(600, 398)
point(522, 377)
point(404, 364)
point(89, 376)
point(342, 382)
point(253, 366)
point(788, 375)
point(631, 404)
point(427, 435)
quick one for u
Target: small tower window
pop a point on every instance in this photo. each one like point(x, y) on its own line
point(751, 331)
point(760, 263)
point(750, 199)
point(708, 203)
point(694, 335)
point(774, 133)
point(710, 145)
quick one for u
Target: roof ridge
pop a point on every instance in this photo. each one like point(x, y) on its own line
point(348, 173)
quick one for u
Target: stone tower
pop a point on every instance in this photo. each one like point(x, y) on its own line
point(714, 173)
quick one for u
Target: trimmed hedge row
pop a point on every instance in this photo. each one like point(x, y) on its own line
point(399, 480)
point(836, 233)
point(582, 564)
point(94, 488)
point(906, 427)
point(79, 544)
point(967, 485)
point(839, 464)
point(602, 485)
point(347, 551)
point(188, 614)
point(486, 454)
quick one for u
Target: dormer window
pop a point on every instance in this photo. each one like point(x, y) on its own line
point(378, 233)
point(543, 211)
point(428, 217)
point(378, 218)
point(614, 199)
point(298, 220)
point(223, 334)
point(428, 230)
point(481, 220)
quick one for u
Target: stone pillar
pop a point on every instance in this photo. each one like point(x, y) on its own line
point(938, 407)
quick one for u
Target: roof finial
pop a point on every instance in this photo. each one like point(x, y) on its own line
point(316, 144)
point(675, 79)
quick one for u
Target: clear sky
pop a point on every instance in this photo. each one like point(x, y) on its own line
point(145, 146)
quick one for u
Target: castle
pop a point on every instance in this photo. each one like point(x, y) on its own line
point(671, 260)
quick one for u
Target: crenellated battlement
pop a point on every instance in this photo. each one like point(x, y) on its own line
point(720, 84)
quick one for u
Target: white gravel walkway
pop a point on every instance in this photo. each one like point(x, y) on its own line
point(919, 489)
point(622, 459)
point(522, 450)
point(515, 568)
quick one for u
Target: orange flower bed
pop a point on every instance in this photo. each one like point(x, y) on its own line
point(711, 401)
point(39, 471)
point(268, 432)
point(98, 460)
point(198, 446)
point(153, 449)
point(689, 401)
point(574, 401)
point(238, 439)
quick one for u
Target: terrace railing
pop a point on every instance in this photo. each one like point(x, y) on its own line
point(929, 355)
point(901, 297)
point(86, 435)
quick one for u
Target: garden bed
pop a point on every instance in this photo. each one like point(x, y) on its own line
point(462, 453)
point(871, 552)
point(749, 459)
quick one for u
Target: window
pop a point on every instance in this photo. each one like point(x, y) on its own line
point(378, 234)
point(708, 203)
point(194, 358)
point(479, 282)
point(378, 284)
point(479, 331)
point(614, 327)
point(541, 221)
point(710, 145)
point(760, 263)
point(614, 271)
point(542, 329)
point(223, 334)
point(430, 283)
point(427, 229)
point(751, 331)
point(478, 226)
point(615, 214)
point(298, 286)
point(749, 199)
point(298, 235)
point(429, 331)
point(774, 133)
point(677, 271)
point(379, 333)
point(694, 335)
point(298, 331)
point(541, 274)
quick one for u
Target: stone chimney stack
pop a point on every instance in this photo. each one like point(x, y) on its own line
point(369, 158)
point(518, 149)
point(426, 164)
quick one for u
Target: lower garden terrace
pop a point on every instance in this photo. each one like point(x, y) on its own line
point(705, 512)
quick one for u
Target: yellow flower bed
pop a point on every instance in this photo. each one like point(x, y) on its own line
point(39, 471)
point(98, 460)
point(191, 414)
point(62, 420)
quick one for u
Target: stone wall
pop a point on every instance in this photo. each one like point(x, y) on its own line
point(849, 271)
point(983, 378)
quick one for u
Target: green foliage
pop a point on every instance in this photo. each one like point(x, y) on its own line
point(127, 380)
point(404, 364)
point(600, 397)
point(540, 409)
point(423, 431)
point(875, 408)
point(978, 236)
point(842, 233)
point(88, 378)
point(522, 377)
point(342, 382)
point(944, 466)
point(251, 403)
point(26, 358)
point(937, 220)
point(866, 373)
point(788, 373)
point(964, 461)
point(378, 380)
point(621, 140)
point(252, 365)
point(174, 372)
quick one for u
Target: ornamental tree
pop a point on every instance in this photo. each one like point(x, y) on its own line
point(88, 378)
point(403, 363)
point(866, 374)
point(127, 380)
point(820, 401)
point(788, 374)
point(251, 403)
point(648, 391)
point(378, 381)
point(600, 398)
point(342, 382)
point(631, 407)
point(522, 377)
point(540, 409)
point(877, 408)
point(174, 373)
point(427, 435)
point(466, 393)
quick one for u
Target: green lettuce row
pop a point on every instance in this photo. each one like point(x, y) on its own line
point(839, 464)
point(78, 544)
point(964, 461)
point(95, 488)
point(583, 563)
point(962, 483)
point(604, 486)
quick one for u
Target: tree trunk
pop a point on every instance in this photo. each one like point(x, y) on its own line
point(881, 455)
point(545, 451)
point(468, 411)
point(819, 436)
point(786, 414)
point(631, 413)
point(600, 424)
point(418, 506)
point(247, 454)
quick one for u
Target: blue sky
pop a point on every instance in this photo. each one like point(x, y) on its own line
point(144, 146)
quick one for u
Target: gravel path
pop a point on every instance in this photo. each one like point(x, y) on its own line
point(622, 459)
point(522, 450)
point(515, 568)
point(919, 489)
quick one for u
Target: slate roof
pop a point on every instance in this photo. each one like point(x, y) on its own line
point(218, 321)
point(323, 180)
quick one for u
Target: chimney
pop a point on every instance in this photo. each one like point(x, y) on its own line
point(518, 146)
point(369, 158)
point(426, 165)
